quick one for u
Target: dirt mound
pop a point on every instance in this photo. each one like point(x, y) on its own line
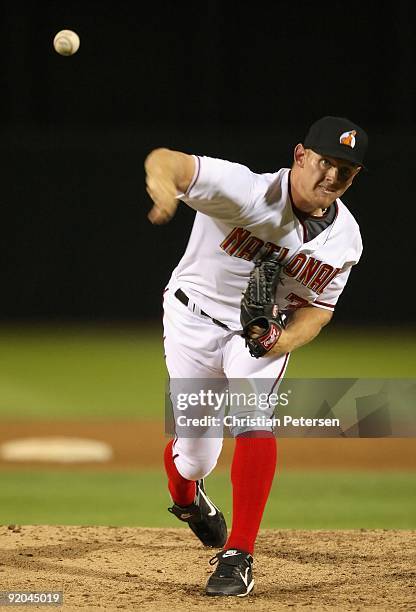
point(165, 570)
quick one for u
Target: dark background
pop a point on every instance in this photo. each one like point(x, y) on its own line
point(232, 80)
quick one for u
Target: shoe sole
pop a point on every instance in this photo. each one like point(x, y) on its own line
point(249, 589)
point(218, 543)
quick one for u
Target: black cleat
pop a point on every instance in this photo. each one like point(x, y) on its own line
point(233, 575)
point(204, 518)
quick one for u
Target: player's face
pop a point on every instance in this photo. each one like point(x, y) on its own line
point(322, 179)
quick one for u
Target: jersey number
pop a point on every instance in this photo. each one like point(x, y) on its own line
point(295, 301)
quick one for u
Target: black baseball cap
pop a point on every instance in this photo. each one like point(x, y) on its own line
point(338, 137)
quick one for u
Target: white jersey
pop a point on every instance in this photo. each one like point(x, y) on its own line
point(242, 216)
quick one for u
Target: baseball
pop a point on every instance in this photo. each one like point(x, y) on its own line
point(66, 42)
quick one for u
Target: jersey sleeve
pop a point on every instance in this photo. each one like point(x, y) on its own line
point(220, 189)
point(329, 296)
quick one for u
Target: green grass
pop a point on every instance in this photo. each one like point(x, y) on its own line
point(306, 500)
point(73, 373)
point(107, 373)
point(356, 352)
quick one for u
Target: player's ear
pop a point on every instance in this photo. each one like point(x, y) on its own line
point(299, 155)
point(356, 171)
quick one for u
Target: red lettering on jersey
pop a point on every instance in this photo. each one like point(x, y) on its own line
point(309, 271)
point(283, 253)
point(320, 277)
point(271, 248)
point(296, 301)
point(295, 265)
point(329, 279)
point(249, 248)
point(234, 240)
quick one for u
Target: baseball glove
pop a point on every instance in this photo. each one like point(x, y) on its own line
point(258, 306)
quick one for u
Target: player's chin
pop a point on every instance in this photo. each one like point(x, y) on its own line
point(324, 198)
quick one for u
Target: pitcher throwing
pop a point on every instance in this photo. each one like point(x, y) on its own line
point(294, 217)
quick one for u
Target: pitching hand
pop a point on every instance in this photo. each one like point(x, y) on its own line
point(162, 189)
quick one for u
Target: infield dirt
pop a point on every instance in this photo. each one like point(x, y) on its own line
point(166, 570)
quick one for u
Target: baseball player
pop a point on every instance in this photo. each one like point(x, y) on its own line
point(295, 214)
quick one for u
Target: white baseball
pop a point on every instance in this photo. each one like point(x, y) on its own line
point(66, 42)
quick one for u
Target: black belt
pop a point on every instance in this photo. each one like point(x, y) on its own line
point(182, 297)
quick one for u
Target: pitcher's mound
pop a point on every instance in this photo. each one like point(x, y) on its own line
point(166, 569)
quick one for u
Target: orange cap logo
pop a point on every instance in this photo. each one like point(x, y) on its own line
point(348, 138)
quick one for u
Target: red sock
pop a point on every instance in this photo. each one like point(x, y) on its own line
point(181, 489)
point(252, 473)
